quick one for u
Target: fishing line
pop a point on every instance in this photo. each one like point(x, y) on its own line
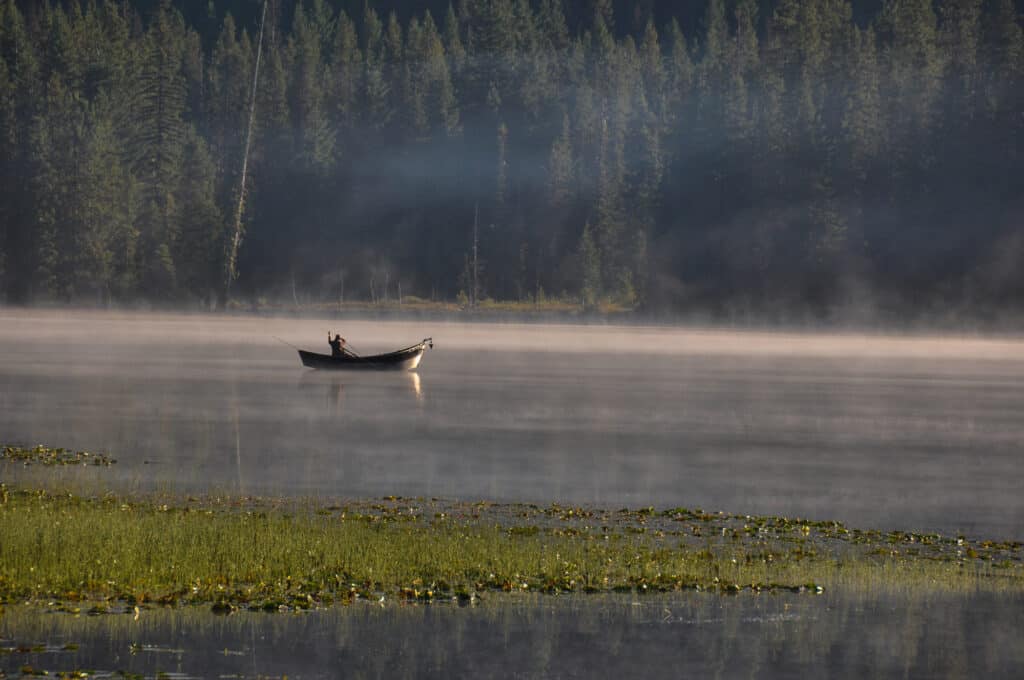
point(284, 342)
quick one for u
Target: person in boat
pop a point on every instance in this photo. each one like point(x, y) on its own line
point(337, 345)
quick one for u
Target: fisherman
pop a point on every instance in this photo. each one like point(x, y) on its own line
point(337, 344)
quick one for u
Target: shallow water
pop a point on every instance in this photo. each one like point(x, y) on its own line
point(686, 635)
point(887, 432)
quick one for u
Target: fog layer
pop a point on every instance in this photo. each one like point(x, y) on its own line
point(888, 432)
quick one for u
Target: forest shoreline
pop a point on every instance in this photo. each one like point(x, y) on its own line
point(896, 321)
point(730, 155)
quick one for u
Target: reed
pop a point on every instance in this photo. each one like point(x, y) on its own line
point(66, 548)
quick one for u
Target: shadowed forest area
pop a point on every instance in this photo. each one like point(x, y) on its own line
point(767, 158)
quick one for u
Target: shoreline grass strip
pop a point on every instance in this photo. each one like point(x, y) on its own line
point(60, 549)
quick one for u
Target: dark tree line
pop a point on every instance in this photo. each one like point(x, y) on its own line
point(727, 155)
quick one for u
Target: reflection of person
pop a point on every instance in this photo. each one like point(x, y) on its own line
point(337, 345)
point(335, 397)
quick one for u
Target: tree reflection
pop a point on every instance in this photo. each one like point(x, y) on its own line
point(870, 635)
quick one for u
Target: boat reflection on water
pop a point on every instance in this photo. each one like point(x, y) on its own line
point(337, 388)
point(417, 386)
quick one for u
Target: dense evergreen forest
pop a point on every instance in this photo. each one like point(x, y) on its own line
point(764, 157)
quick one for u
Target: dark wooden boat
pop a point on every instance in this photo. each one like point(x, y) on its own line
point(403, 360)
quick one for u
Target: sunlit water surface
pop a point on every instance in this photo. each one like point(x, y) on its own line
point(887, 432)
point(682, 636)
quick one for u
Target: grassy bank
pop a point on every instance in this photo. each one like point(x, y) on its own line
point(63, 550)
point(553, 309)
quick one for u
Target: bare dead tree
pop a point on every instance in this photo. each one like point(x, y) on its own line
point(231, 272)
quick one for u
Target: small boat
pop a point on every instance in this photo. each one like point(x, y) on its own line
point(403, 360)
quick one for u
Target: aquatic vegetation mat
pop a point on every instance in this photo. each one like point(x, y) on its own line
point(111, 554)
point(44, 455)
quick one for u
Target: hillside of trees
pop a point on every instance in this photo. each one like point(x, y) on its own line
point(728, 156)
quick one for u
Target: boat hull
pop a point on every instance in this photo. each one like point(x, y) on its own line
point(405, 360)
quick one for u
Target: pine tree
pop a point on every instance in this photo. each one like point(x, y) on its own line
point(313, 135)
point(60, 55)
point(561, 172)
point(377, 89)
point(611, 229)
point(394, 71)
point(441, 103)
point(414, 85)
point(537, 76)
point(227, 108)
point(345, 78)
point(589, 254)
point(393, 45)
point(603, 46)
point(709, 115)
point(108, 205)
point(746, 43)
point(1004, 98)
point(679, 77)
point(490, 47)
point(914, 71)
point(111, 66)
point(198, 250)
point(561, 195)
point(654, 79)
point(193, 67)
point(453, 44)
point(160, 133)
point(716, 38)
point(604, 12)
point(501, 172)
point(527, 34)
point(1004, 56)
point(321, 17)
point(773, 115)
point(271, 201)
point(52, 143)
point(552, 25)
point(272, 115)
point(862, 120)
point(19, 107)
point(742, 61)
point(960, 38)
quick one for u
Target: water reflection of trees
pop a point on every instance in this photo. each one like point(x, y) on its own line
point(887, 634)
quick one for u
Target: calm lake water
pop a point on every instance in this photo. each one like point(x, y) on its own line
point(695, 635)
point(886, 432)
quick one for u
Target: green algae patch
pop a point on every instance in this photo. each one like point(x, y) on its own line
point(44, 455)
point(100, 555)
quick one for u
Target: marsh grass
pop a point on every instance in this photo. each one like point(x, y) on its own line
point(61, 548)
point(44, 455)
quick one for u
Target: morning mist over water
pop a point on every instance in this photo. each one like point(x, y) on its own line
point(908, 432)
